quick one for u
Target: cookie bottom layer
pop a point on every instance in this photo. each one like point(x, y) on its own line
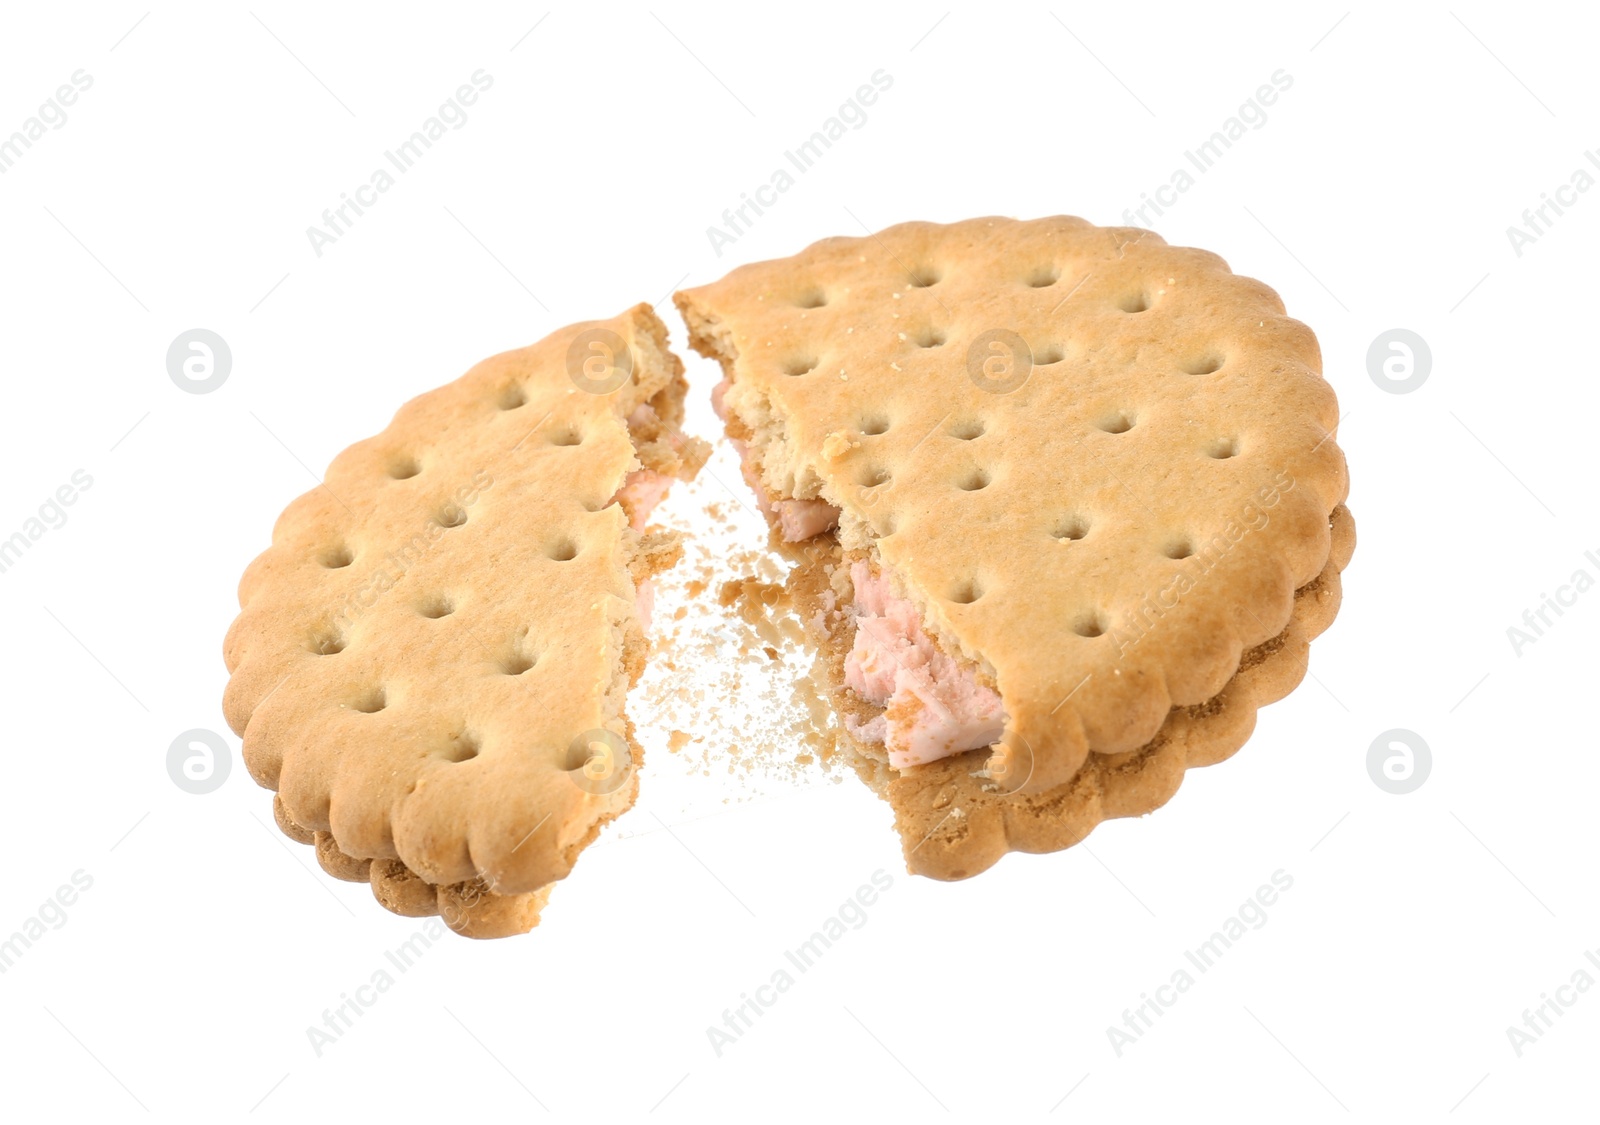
point(468, 908)
point(954, 822)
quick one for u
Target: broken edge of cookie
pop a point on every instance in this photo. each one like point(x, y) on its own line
point(648, 406)
point(955, 822)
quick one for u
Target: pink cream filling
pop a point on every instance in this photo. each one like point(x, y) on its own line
point(640, 493)
point(644, 601)
point(798, 520)
point(935, 706)
point(643, 489)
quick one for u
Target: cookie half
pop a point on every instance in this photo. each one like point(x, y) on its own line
point(430, 662)
point(1065, 501)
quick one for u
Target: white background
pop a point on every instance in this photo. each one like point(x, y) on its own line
point(1377, 195)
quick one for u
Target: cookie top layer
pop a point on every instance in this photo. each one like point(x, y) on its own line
point(1100, 465)
point(420, 652)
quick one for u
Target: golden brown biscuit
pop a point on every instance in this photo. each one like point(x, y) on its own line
point(430, 661)
point(1099, 469)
